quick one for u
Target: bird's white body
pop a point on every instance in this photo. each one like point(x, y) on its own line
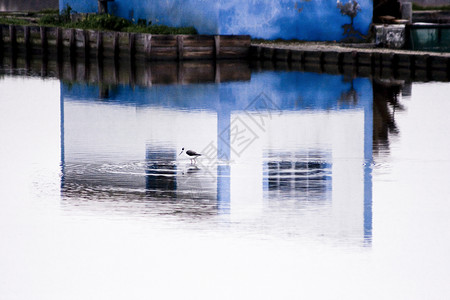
point(191, 154)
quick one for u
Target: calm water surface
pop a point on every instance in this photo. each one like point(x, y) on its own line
point(313, 186)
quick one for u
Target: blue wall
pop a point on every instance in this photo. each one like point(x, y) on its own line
point(319, 20)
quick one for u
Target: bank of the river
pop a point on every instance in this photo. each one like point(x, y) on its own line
point(359, 55)
point(73, 43)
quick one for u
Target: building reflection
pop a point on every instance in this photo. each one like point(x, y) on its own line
point(387, 96)
point(272, 142)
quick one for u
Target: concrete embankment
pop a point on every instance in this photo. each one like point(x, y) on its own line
point(327, 56)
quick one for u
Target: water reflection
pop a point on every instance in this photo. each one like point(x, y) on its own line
point(387, 96)
point(285, 153)
point(289, 201)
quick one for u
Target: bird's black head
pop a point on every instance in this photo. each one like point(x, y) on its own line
point(182, 148)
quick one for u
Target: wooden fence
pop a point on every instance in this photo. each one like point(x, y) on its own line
point(69, 42)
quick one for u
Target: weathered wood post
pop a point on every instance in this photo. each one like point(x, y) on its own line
point(217, 47)
point(26, 36)
point(13, 38)
point(148, 47)
point(99, 45)
point(44, 66)
point(59, 44)
point(1, 39)
point(99, 71)
point(321, 60)
point(44, 42)
point(73, 70)
point(116, 71)
point(428, 66)
point(180, 47)
point(448, 68)
point(131, 45)
point(116, 45)
point(86, 45)
point(87, 68)
point(72, 45)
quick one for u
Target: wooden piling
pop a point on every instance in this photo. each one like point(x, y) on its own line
point(116, 46)
point(13, 38)
point(132, 45)
point(1, 39)
point(217, 47)
point(26, 36)
point(72, 44)
point(148, 47)
point(59, 43)
point(86, 45)
point(44, 66)
point(99, 45)
point(44, 42)
point(180, 52)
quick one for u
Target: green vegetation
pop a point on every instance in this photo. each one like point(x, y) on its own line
point(69, 19)
point(13, 21)
point(49, 11)
point(109, 22)
point(160, 29)
point(417, 7)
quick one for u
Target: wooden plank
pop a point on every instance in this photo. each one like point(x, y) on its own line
point(312, 57)
point(164, 41)
point(364, 58)
point(297, 56)
point(331, 57)
point(35, 30)
point(266, 53)
point(161, 51)
point(164, 73)
point(51, 32)
point(207, 53)
point(195, 72)
point(44, 42)
point(255, 52)
point(198, 40)
point(439, 63)
point(235, 41)
point(232, 71)
point(282, 54)
point(404, 61)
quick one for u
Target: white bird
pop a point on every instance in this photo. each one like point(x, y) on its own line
point(191, 154)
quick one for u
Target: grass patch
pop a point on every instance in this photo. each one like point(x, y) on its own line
point(49, 11)
point(417, 7)
point(13, 21)
point(161, 29)
point(110, 23)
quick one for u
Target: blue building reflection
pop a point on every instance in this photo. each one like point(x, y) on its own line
point(281, 136)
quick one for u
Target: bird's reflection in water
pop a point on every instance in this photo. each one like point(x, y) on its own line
point(191, 170)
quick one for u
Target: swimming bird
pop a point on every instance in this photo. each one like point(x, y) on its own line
point(191, 154)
